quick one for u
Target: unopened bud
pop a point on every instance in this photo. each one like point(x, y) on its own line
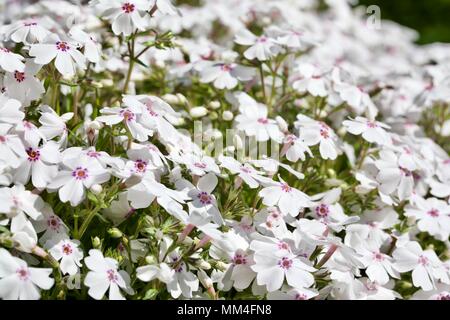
point(227, 115)
point(170, 98)
point(150, 260)
point(96, 189)
point(204, 279)
point(96, 242)
point(115, 233)
point(214, 105)
point(282, 124)
point(198, 112)
point(181, 99)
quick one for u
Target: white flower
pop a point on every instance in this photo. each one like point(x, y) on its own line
point(393, 178)
point(261, 48)
point(165, 7)
point(53, 125)
point(78, 175)
point(10, 61)
point(92, 49)
point(225, 75)
point(53, 225)
point(314, 132)
point(371, 131)
point(254, 122)
point(424, 264)
point(273, 267)
point(68, 252)
point(24, 86)
point(288, 199)
point(12, 150)
point(17, 200)
point(203, 202)
point(65, 53)
point(245, 171)
point(10, 111)
point(126, 15)
point(40, 165)
point(27, 31)
point(105, 275)
point(433, 216)
point(127, 115)
point(295, 148)
point(310, 80)
point(18, 281)
point(293, 294)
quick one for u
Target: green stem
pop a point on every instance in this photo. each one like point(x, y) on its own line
point(263, 82)
point(131, 65)
point(87, 221)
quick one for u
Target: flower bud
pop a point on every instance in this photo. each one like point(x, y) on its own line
point(214, 105)
point(238, 142)
point(115, 233)
point(227, 115)
point(202, 264)
point(96, 189)
point(282, 124)
point(107, 82)
point(213, 115)
point(198, 112)
point(204, 279)
point(96, 243)
point(170, 98)
point(181, 99)
point(150, 260)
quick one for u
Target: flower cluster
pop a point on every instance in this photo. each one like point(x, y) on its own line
point(115, 181)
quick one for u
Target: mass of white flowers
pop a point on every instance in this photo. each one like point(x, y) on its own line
point(221, 149)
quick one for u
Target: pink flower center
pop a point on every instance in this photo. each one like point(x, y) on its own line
point(371, 124)
point(283, 245)
point(127, 115)
point(405, 172)
point(263, 121)
point(423, 260)
point(33, 154)
point(4, 50)
point(2, 139)
point(443, 296)
point(140, 165)
point(262, 39)
point(200, 165)
point(286, 188)
point(30, 23)
point(204, 198)
point(226, 67)
point(285, 263)
point(323, 210)
point(433, 213)
point(93, 154)
point(324, 133)
point(67, 249)
point(245, 169)
point(371, 286)
point(128, 7)
point(377, 256)
point(19, 76)
point(239, 259)
point(53, 223)
point(300, 296)
point(80, 173)
point(62, 46)
point(23, 273)
point(112, 275)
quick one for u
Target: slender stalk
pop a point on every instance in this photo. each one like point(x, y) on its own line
point(87, 221)
point(263, 82)
point(131, 65)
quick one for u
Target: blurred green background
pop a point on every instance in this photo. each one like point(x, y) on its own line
point(430, 17)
